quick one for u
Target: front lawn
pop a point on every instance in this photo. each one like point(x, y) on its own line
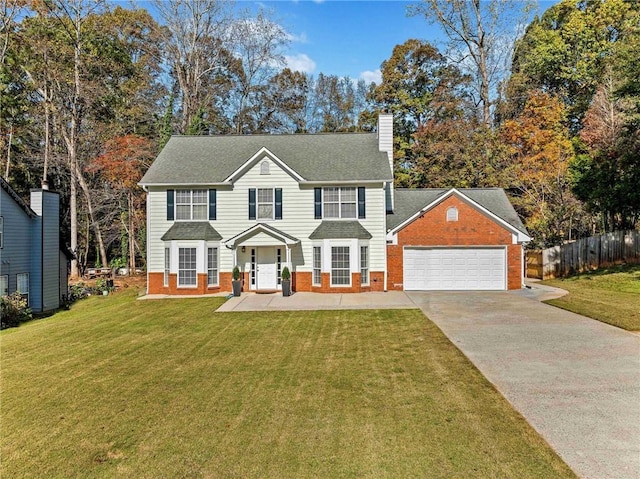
point(610, 295)
point(150, 389)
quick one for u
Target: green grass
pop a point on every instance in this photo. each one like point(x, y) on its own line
point(163, 389)
point(610, 295)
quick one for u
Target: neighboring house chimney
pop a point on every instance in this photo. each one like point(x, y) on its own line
point(385, 143)
point(46, 249)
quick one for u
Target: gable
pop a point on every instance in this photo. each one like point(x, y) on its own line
point(263, 165)
point(490, 202)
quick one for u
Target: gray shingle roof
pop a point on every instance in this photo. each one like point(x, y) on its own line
point(320, 157)
point(187, 230)
point(409, 201)
point(11, 192)
point(340, 230)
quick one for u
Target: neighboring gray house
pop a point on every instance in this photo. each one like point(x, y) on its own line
point(31, 260)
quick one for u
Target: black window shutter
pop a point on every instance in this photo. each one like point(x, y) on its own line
point(317, 194)
point(278, 203)
point(361, 203)
point(212, 204)
point(170, 205)
point(252, 203)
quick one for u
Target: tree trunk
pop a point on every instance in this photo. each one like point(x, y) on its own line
point(6, 172)
point(96, 226)
point(132, 236)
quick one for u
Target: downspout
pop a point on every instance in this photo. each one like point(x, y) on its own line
point(523, 267)
point(384, 238)
point(146, 190)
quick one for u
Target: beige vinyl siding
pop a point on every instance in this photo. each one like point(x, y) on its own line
point(297, 218)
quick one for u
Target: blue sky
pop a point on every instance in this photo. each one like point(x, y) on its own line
point(346, 38)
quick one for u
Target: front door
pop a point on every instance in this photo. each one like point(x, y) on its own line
point(266, 274)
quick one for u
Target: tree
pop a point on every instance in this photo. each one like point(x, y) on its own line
point(284, 103)
point(606, 174)
point(428, 98)
point(480, 34)
point(541, 151)
point(565, 53)
point(257, 45)
point(194, 36)
point(122, 165)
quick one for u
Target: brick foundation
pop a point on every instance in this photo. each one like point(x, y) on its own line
point(155, 285)
point(303, 282)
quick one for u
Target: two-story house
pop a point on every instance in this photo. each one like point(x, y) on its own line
point(31, 260)
point(324, 206)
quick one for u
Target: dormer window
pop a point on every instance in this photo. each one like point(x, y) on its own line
point(264, 168)
point(452, 214)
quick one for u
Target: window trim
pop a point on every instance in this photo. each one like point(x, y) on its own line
point(316, 267)
point(167, 266)
point(195, 268)
point(191, 204)
point(334, 285)
point(452, 213)
point(6, 279)
point(272, 203)
point(340, 202)
point(366, 266)
point(23, 293)
point(215, 268)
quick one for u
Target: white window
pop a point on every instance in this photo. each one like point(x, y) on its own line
point(192, 204)
point(264, 168)
point(340, 202)
point(452, 213)
point(187, 275)
point(23, 285)
point(265, 203)
point(364, 265)
point(317, 266)
point(340, 266)
point(4, 285)
point(167, 265)
point(212, 266)
point(1, 231)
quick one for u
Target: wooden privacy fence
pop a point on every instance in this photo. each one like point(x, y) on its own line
point(584, 255)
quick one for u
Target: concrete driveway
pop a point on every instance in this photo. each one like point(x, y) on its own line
point(575, 380)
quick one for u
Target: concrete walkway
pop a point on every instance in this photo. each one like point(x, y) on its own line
point(314, 301)
point(575, 380)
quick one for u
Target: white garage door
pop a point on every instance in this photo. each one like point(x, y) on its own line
point(460, 269)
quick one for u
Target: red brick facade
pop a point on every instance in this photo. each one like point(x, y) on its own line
point(473, 228)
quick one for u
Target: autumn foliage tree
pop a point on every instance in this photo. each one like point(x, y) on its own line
point(540, 152)
point(121, 165)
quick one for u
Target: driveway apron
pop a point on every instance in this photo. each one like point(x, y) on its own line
point(575, 380)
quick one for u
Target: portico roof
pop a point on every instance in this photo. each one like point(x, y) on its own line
point(281, 236)
point(191, 230)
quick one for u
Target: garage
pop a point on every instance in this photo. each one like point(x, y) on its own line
point(451, 269)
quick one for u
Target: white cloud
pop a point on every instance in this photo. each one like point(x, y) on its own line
point(371, 76)
point(292, 37)
point(300, 62)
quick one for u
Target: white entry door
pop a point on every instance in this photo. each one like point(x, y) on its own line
point(266, 274)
